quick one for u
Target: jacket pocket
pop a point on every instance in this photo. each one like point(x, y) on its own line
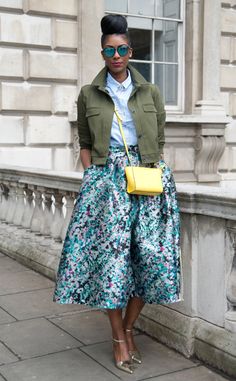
point(149, 108)
point(149, 126)
point(94, 117)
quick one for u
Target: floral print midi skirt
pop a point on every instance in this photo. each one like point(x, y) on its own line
point(119, 245)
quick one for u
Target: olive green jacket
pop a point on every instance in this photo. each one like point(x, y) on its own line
point(96, 110)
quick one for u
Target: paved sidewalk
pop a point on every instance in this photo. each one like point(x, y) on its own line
point(44, 341)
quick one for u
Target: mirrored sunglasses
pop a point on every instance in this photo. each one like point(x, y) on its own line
point(110, 51)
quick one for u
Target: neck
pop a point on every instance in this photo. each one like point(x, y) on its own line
point(120, 77)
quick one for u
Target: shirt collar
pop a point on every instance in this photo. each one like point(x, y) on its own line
point(113, 83)
point(101, 78)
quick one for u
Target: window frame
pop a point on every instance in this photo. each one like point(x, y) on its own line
point(179, 107)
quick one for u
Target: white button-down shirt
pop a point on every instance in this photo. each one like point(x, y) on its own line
point(120, 93)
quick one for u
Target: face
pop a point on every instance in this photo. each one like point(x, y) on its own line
point(116, 64)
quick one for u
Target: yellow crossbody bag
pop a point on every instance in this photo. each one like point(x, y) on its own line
point(141, 180)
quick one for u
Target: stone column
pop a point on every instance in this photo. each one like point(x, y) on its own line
point(210, 103)
point(89, 45)
point(210, 141)
point(89, 58)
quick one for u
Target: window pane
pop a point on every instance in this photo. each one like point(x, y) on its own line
point(116, 6)
point(168, 8)
point(139, 22)
point(142, 7)
point(166, 77)
point(171, 8)
point(143, 68)
point(166, 41)
point(141, 43)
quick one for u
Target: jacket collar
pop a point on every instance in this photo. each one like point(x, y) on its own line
point(100, 79)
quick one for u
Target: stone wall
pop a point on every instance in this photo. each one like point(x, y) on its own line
point(48, 50)
point(38, 81)
point(228, 85)
point(204, 323)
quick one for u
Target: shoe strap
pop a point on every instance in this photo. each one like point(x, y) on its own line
point(118, 341)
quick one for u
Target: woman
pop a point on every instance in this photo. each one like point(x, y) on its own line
point(120, 250)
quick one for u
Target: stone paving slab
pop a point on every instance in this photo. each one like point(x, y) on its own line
point(46, 341)
point(199, 373)
point(6, 356)
point(157, 359)
point(36, 303)
point(23, 281)
point(9, 265)
point(71, 365)
point(5, 317)
point(93, 326)
point(35, 337)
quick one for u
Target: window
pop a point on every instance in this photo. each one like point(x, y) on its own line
point(156, 31)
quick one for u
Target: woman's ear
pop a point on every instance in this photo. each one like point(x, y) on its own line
point(130, 52)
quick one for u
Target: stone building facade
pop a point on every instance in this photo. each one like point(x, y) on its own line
point(228, 85)
point(48, 49)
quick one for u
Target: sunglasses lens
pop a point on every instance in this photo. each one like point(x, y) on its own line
point(123, 50)
point(109, 51)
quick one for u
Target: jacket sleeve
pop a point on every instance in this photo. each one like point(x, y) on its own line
point(161, 116)
point(83, 128)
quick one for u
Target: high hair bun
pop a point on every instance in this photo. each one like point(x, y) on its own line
point(114, 24)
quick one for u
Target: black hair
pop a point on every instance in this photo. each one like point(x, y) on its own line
point(114, 24)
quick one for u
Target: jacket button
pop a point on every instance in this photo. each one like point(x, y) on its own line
point(140, 135)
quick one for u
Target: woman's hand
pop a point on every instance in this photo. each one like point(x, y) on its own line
point(85, 155)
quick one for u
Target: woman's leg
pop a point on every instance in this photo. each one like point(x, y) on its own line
point(132, 312)
point(120, 349)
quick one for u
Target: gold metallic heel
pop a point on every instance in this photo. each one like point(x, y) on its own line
point(135, 355)
point(126, 365)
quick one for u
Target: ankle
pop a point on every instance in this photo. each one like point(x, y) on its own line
point(127, 326)
point(118, 336)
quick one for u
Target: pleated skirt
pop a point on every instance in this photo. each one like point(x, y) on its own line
point(119, 245)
